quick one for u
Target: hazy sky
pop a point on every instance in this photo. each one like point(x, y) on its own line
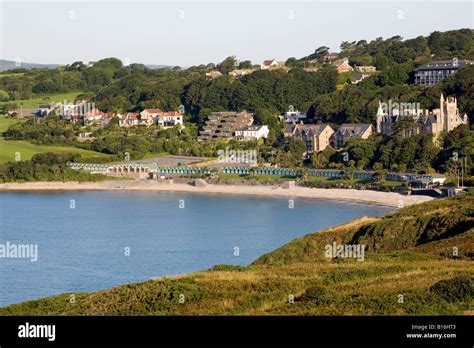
point(195, 32)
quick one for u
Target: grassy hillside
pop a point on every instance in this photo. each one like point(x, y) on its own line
point(8, 148)
point(6, 122)
point(409, 269)
point(11, 64)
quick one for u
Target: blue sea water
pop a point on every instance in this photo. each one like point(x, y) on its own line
point(92, 240)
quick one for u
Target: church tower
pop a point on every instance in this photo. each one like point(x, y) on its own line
point(451, 113)
point(442, 113)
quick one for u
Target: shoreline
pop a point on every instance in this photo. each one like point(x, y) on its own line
point(389, 199)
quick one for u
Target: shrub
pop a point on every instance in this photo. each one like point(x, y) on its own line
point(315, 294)
point(457, 289)
point(227, 268)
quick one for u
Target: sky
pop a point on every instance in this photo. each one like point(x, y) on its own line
point(200, 32)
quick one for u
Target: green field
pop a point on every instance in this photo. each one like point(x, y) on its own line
point(8, 148)
point(6, 122)
point(12, 74)
point(34, 102)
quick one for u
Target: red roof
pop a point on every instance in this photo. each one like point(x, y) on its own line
point(170, 113)
point(132, 115)
point(163, 113)
point(95, 112)
point(153, 111)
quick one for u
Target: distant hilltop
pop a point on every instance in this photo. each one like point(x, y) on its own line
point(11, 65)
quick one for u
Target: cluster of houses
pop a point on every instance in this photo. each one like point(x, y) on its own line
point(87, 114)
point(341, 64)
point(426, 75)
point(236, 73)
point(239, 125)
point(319, 136)
point(165, 119)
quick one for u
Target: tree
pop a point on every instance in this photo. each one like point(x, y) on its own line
point(350, 169)
point(381, 62)
point(76, 66)
point(4, 95)
point(296, 147)
point(245, 64)
point(379, 176)
point(108, 64)
point(227, 65)
point(319, 52)
point(303, 172)
point(292, 62)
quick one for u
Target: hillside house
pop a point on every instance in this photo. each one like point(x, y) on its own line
point(272, 64)
point(350, 130)
point(292, 117)
point(316, 136)
point(165, 119)
point(431, 73)
point(366, 69)
point(342, 65)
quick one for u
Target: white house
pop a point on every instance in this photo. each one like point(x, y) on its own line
point(170, 119)
point(213, 74)
point(165, 119)
point(94, 115)
point(253, 133)
point(148, 115)
point(293, 116)
point(270, 63)
point(87, 135)
point(129, 119)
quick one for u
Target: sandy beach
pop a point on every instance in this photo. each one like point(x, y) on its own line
point(358, 196)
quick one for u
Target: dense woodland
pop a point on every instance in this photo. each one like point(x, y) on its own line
point(118, 88)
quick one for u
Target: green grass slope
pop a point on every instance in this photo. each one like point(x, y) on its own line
point(8, 149)
point(410, 268)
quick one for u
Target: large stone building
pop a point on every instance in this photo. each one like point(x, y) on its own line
point(350, 130)
point(222, 125)
point(316, 136)
point(446, 118)
point(433, 72)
